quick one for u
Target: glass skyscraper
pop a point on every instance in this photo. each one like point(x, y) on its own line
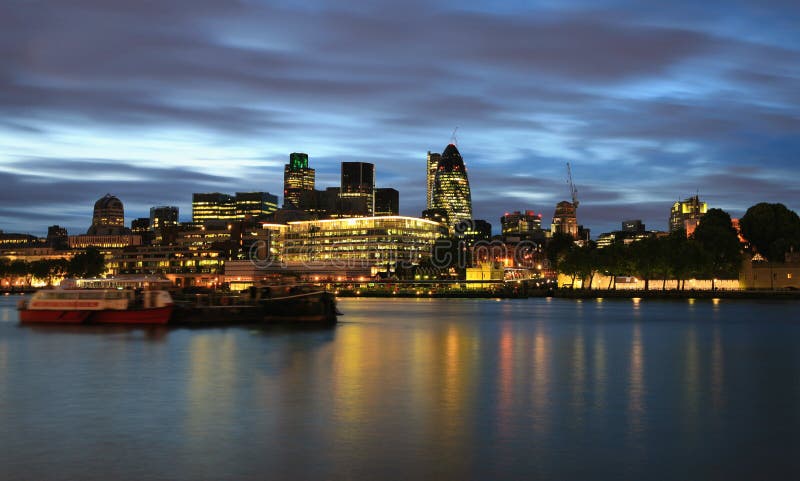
point(451, 190)
point(297, 178)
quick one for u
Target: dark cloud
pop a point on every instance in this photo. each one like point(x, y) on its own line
point(648, 103)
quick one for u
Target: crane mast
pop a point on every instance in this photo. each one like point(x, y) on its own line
point(572, 190)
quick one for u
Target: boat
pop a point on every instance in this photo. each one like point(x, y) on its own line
point(97, 306)
point(300, 307)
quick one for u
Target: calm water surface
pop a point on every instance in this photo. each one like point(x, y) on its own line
point(413, 389)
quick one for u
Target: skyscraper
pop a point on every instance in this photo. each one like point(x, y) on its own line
point(431, 167)
point(451, 190)
point(358, 182)
point(297, 178)
point(687, 214)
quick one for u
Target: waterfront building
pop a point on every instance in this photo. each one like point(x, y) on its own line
point(163, 216)
point(375, 243)
point(104, 241)
point(183, 266)
point(108, 217)
point(451, 190)
point(518, 226)
point(9, 240)
point(358, 182)
point(432, 165)
point(297, 179)
point(212, 207)
point(255, 204)
point(387, 202)
point(478, 230)
point(565, 220)
point(686, 214)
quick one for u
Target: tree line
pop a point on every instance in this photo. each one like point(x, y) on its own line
point(714, 250)
point(90, 263)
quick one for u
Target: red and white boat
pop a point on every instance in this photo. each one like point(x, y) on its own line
point(97, 306)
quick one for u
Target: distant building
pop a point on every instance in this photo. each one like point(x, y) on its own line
point(437, 215)
point(565, 220)
point(451, 190)
point(475, 231)
point(139, 225)
point(255, 204)
point(163, 216)
point(358, 182)
point(432, 166)
point(214, 206)
point(517, 226)
point(633, 226)
point(108, 217)
point(57, 237)
point(297, 179)
point(387, 202)
point(687, 214)
point(104, 241)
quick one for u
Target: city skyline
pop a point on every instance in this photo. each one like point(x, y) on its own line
point(667, 102)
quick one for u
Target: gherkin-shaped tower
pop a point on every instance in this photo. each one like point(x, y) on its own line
point(451, 188)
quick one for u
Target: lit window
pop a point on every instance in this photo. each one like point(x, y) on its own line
point(789, 275)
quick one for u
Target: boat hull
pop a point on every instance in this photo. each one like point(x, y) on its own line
point(158, 315)
point(53, 316)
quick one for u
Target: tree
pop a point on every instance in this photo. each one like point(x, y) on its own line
point(645, 260)
point(557, 247)
point(772, 230)
point(720, 241)
point(90, 263)
point(5, 270)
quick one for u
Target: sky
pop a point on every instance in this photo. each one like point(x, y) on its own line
point(151, 101)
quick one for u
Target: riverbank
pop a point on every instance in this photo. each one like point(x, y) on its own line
point(686, 294)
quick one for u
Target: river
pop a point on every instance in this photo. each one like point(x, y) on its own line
point(413, 389)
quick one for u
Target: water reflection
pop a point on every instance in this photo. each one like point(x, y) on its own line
point(636, 386)
point(717, 369)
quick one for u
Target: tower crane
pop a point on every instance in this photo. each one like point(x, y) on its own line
point(572, 190)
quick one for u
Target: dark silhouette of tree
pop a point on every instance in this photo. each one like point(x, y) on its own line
point(720, 241)
point(772, 230)
point(90, 263)
point(557, 247)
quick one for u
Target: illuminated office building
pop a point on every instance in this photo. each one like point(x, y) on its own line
point(451, 190)
point(432, 166)
point(687, 214)
point(297, 179)
point(163, 216)
point(212, 207)
point(522, 225)
point(255, 204)
point(108, 217)
point(366, 241)
point(358, 182)
point(565, 220)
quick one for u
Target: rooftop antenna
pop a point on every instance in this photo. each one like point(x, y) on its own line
point(572, 190)
point(453, 139)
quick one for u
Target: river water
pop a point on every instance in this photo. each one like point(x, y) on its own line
point(413, 389)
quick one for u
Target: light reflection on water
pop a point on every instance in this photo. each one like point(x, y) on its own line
point(431, 389)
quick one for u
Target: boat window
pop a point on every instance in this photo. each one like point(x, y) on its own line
point(90, 295)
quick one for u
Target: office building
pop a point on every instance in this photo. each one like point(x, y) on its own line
point(687, 214)
point(432, 166)
point(212, 207)
point(387, 202)
point(57, 237)
point(297, 178)
point(163, 216)
point(565, 220)
point(633, 226)
point(451, 190)
point(518, 226)
point(255, 204)
point(108, 217)
point(358, 182)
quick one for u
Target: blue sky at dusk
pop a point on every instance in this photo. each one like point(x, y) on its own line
point(152, 100)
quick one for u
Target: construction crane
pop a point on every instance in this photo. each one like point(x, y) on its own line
point(572, 190)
